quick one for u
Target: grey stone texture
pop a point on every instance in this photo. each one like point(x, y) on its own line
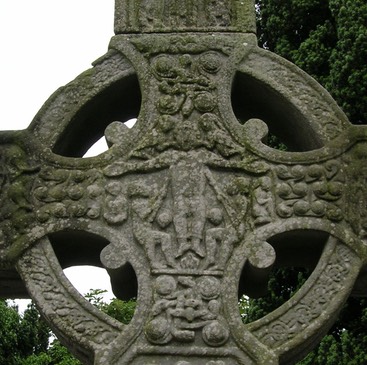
point(190, 208)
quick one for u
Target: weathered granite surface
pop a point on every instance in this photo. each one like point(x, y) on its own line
point(190, 207)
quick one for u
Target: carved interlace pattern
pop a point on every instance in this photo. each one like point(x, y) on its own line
point(310, 307)
point(184, 305)
point(82, 322)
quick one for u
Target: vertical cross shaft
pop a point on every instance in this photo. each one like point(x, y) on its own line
point(165, 16)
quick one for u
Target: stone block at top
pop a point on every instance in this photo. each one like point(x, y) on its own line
point(150, 16)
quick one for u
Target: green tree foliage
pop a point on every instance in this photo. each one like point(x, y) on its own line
point(21, 336)
point(60, 355)
point(9, 323)
point(33, 334)
point(346, 343)
point(281, 287)
point(24, 339)
point(327, 39)
point(121, 310)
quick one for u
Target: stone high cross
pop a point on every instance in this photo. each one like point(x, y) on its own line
point(189, 208)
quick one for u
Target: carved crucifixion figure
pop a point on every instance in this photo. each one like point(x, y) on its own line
point(190, 208)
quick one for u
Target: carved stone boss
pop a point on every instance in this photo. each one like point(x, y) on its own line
point(190, 207)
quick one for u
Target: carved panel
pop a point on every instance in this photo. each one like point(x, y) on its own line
point(64, 193)
point(83, 321)
point(17, 173)
point(356, 192)
point(185, 306)
point(310, 304)
point(175, 15)
point(311, 191)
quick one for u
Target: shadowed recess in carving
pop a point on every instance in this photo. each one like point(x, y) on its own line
point(101, 145)
point(119, 102)
point(297, 251)
point(253, 99)
point(124, 282)
point(74, 248)
point(77, 248)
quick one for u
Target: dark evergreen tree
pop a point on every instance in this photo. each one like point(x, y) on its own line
point(21, 337)
point(327, 39)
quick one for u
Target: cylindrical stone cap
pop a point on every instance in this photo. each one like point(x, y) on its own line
point(176, 16)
